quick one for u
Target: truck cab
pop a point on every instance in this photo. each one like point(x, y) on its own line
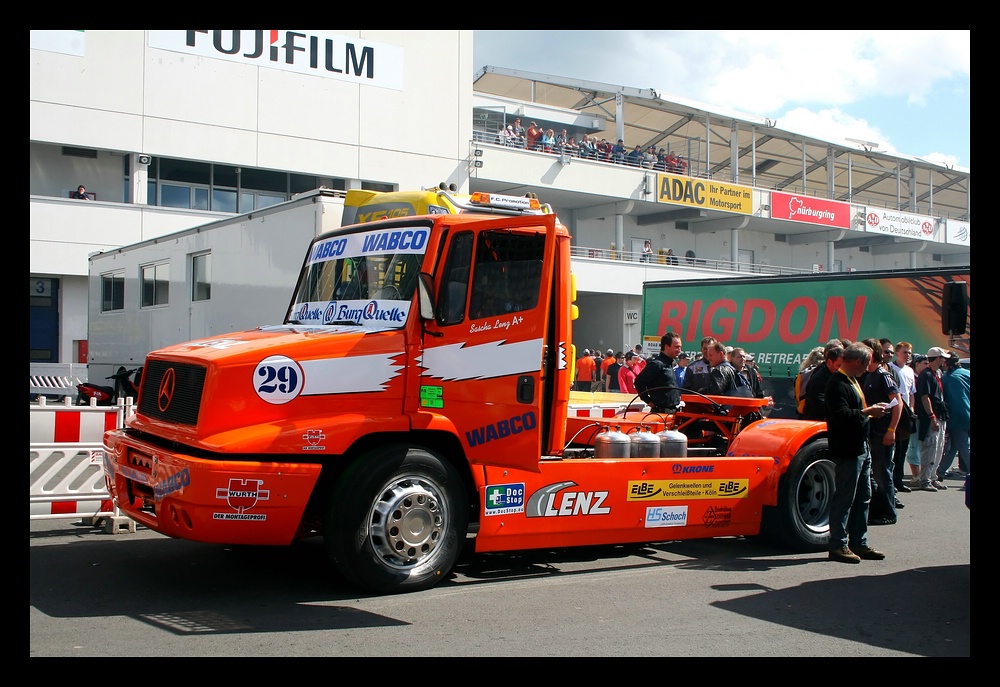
point(417, 393)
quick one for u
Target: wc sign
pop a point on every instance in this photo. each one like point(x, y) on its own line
point(631, 317)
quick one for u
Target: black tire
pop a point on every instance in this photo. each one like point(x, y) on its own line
point(801, 520)
point(397, 520)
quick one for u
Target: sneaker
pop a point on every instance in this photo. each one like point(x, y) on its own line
point(956, 473)
point(927, 487)
point(868, 553)
point(844, 555)
point(938, 485)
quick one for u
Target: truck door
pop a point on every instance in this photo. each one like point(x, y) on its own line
point(482, 364)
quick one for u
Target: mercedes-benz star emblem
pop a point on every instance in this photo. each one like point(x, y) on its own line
point(166, 393)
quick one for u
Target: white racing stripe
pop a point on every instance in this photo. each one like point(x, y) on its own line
point(356, 374)
point(483, 361)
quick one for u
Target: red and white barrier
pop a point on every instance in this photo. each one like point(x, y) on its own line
point(595, 411)
point(67, 424)
point(66, 473)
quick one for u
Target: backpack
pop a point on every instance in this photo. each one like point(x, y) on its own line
point(801, 380)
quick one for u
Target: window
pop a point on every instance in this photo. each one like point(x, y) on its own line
point(266, 200)
point(112, 292)
point(507, 273)
point(226, 188)
point(201, 277)
point(224, 200)
point(155, 284)
point(451, 300)
point(172, 196)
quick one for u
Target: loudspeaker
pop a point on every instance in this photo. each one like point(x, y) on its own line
point(954, 307)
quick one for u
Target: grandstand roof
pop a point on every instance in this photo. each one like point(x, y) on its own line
point(767, 157)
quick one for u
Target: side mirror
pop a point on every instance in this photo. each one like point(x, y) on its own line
point(425, 296)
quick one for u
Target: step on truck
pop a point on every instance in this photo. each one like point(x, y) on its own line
point(416, 399)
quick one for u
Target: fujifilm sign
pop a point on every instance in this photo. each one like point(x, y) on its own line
point(306, 52)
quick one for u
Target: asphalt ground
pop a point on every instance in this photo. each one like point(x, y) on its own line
point(94, 594)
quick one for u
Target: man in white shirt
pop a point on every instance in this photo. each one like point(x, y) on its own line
point(907, 390)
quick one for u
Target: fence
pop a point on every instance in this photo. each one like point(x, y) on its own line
point(55, 379)
point(66, 473)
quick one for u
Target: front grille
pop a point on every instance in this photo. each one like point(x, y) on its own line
point(186, 402)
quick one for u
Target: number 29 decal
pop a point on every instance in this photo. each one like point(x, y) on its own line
point(278, 379)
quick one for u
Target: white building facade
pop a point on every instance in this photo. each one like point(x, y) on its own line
point(178, 128)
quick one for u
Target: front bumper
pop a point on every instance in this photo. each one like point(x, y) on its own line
point(208, 500)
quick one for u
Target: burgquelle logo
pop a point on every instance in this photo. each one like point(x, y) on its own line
point(307, 52)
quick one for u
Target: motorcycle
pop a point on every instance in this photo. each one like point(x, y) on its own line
point(123, 386)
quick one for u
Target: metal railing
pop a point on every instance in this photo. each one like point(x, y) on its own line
point(574, 150)
point(663, 261)
point(495, 138)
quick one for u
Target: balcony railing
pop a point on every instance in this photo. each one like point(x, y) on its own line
point(668, 263)
point(494, 138)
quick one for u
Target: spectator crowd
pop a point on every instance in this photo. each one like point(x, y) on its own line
point(590, 148)
point(884, 407)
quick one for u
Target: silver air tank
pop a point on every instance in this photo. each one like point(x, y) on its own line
point(645, 444)
point(612, 443)
point(673, 444)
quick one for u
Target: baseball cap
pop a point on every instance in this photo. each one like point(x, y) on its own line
point(729, 349)
point(629, 355)
point(586, 351)
point(936, 352)
point(918, 358)
point(683, 356)
point(611, 351)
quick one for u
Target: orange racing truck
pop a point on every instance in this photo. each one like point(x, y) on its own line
point(417, 395)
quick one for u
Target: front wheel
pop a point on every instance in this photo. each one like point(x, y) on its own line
point(801, 520)
point(397, 520)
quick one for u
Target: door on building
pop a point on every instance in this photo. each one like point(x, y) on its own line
point(43, 321)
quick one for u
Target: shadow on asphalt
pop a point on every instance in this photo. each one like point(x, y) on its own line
point(191, 588)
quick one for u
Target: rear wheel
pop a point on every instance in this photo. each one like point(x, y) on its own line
point(801, 520)
point(397, 520)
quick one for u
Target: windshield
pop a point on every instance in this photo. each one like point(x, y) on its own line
point(366, 278)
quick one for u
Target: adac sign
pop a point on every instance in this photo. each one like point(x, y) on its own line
point(317, 53)
point(707, 194)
